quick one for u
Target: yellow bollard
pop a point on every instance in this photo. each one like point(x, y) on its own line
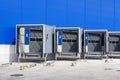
point(78, 62)
point(25, 68)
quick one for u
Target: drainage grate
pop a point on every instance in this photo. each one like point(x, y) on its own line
point(17, 75)
point(108, 69)
point(118, 70)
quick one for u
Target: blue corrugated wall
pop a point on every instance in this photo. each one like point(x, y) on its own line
point(89, 14)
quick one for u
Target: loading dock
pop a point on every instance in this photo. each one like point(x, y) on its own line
point(95, 43)
point(114, 44)
point(68, 42)
point(34, 41)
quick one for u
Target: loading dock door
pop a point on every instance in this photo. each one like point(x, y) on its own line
point(114, 43)
point(36, 40)
point(70, 42)
point(94, 44)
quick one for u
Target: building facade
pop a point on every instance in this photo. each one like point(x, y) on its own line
point(89, 14)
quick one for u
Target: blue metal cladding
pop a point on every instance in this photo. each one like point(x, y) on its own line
point(92, 14)
point(108, 14)
point(88, 14)
point(33, 11)
point(9, 17)
point(86, 39)
point(27, 39)
point(117, 15)
point(102, 39)
point(75, 13)
point(56, 12)
point(59, 37)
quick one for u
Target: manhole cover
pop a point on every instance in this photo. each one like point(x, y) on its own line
point(108, 69)
point(17, 75)
point(118, 70)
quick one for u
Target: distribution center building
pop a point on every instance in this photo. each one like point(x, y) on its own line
point(104, 14)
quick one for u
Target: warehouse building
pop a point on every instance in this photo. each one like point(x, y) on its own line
point(88, 14)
